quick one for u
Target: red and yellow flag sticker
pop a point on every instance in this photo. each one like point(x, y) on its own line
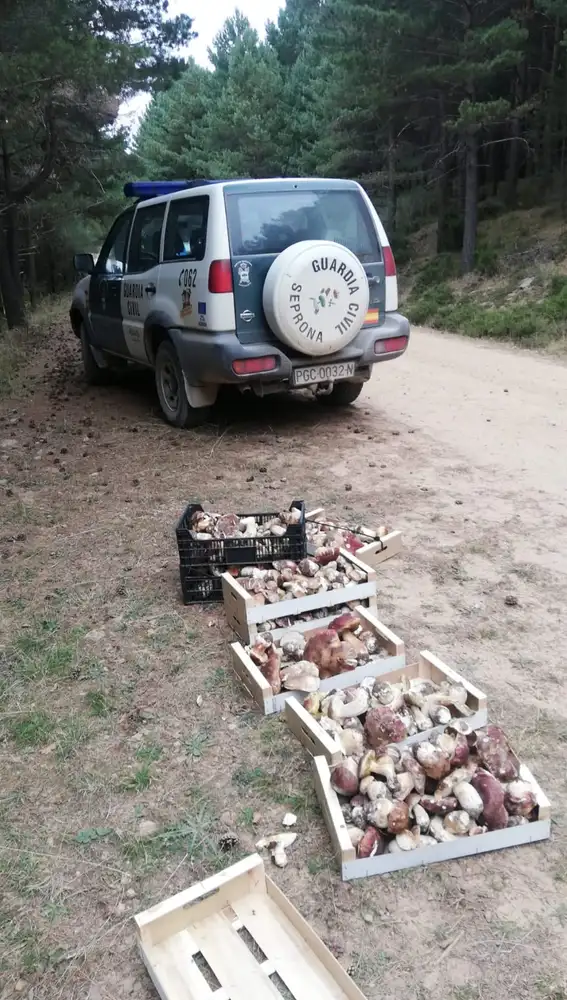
point(372, 317)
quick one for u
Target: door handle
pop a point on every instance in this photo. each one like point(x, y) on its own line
point(372, 279)
point(150, 289)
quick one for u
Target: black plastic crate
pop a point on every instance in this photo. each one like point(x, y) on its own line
point(201, 563)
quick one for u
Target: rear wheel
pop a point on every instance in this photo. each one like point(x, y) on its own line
point(170, 386)
point(342, 394)
point(94, 374)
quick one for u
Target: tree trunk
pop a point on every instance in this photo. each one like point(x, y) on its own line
point(12, 291)
point(391, 208)
point(513, 168)
point(471, 202)
point(550, 127)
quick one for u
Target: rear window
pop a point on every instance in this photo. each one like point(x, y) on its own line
point(266, 222)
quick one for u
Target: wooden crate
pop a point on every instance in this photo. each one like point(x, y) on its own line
point(243, 614)
point(257, 685)
point(202, 934)
point(320, 743)
point(352, 867)
point(388, 544)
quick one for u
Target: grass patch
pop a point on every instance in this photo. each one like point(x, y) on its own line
point(42, 652)
point(149, 754)
point(140, 780)
point(33, 730)
point(98, 703)
point(17, 346)
point(74, 731)
point(197, 744)
point(195, 835)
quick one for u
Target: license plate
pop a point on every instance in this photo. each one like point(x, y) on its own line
point(322, 373)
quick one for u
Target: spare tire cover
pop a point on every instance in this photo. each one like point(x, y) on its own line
point(316, 297)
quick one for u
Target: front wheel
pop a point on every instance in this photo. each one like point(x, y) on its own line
point(170, 386)
point(342, 394)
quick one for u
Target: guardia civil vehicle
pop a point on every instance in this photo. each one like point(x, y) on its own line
point(268, 285)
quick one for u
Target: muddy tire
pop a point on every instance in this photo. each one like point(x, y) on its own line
point(343, 394)
point(94, 374)
point(170, 386)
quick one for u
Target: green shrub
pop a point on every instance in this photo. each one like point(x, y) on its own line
point(435, 271)
point(486, 259)
point(427, 307)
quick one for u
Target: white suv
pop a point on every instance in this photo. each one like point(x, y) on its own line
point(271, 285)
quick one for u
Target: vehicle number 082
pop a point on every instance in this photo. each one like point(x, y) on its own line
point(188, 277)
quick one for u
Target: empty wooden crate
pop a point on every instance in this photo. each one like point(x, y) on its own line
point(235, 936)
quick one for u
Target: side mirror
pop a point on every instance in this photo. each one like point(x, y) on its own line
point(84, 262)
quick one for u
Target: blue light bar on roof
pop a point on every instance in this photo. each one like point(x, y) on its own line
point(153, 189)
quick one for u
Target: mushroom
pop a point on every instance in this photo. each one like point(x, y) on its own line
point(344, 777)
point(458, 822)
point(271, 670)
point(293, 644)
point(468, 798)
point(398, 818)
point(383, 766)
point(278, 843)
point(433, 760)
point(519, 798)
point(405, 786)
point(308, 567)
point(352, 743)
point(312, 703)
point(492, 795)
point(355, 834)
point(438, 830)
point(495, 754)
point(378, 813)
point(421, 817)
point(413, 767)
point(422, 721)
point(408, 840)
point(382, 727)
point(344, 710)
point(347, 622)
point(372, 843)
point(373, 789)
point(302, 676)
point(439, 807)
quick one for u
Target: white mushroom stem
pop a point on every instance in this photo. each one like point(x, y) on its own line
point(438, 831)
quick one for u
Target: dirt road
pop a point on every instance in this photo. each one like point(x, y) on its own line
point(101, 665)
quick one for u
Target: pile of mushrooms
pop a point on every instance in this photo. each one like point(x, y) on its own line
point(457, 784)
point(325, 535)
point(308, 616)
point(392, 712)
point(286, 579)
point(205, 525)
point(297, 662)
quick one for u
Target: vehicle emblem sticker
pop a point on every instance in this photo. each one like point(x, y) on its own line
point(243, 269)
point(186, 307)
point(326, 298)
point(247, 316)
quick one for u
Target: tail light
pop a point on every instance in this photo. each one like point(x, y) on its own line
point(250, 366)
point(220, 277)
point(391, 345)
point(389, 262)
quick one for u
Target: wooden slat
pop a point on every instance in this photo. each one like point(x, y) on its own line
point(311, 734)
point(312, 515)
point(231, 960)
point(329, 802)
point(317, 946)
point(288, 952)
point(543, 803)
point(200, 900)
point(252, 678)
point(383, 548)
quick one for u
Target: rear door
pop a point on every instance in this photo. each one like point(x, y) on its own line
point(184, 278)
point(139, 287)
point(105, 286)
point(265, 219)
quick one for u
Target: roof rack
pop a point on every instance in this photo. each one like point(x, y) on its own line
point(153, 189)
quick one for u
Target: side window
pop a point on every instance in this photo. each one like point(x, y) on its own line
point(112, 257)
point(146, 238)
point(186, 229)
